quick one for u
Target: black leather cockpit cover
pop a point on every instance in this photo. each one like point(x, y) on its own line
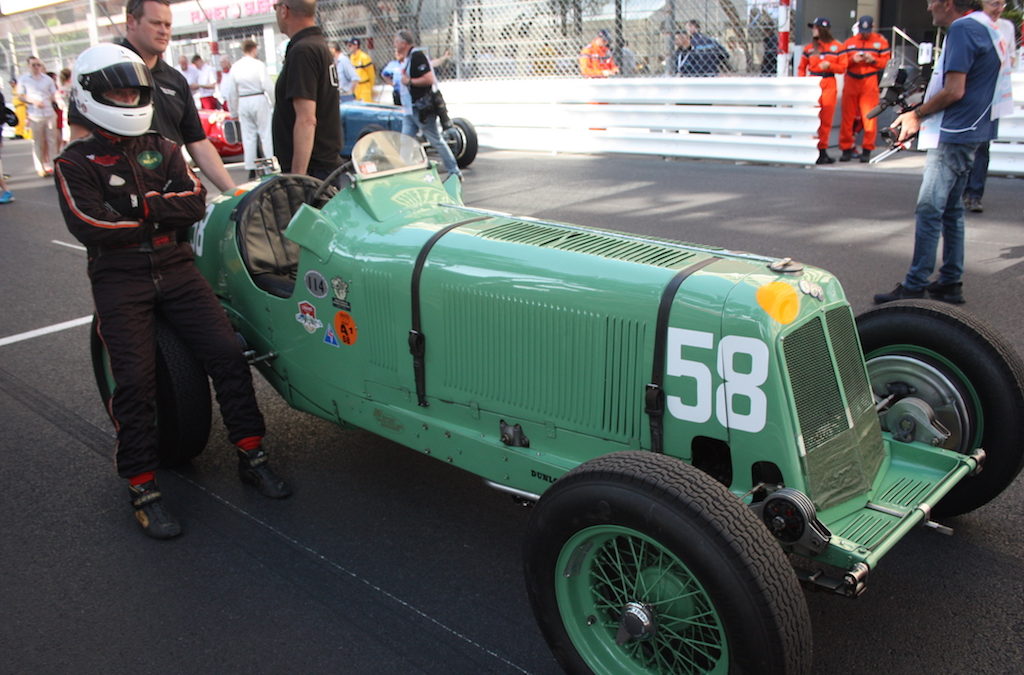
point(262, 216)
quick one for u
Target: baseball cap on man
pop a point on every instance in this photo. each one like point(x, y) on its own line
point(604, 35)
point(865, 24)
point(820, 22)
point(354, 41)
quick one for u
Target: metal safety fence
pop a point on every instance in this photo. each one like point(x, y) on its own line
point(497, 39)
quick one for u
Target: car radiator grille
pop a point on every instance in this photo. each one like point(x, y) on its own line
point(839, 434)
point(232, 132)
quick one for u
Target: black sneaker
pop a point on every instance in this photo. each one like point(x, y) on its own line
point(901, 292)
point(865, 156)
point(823, 158)
point(156, 521)
point(847, 155)
point(951, 293)
point(254, 469)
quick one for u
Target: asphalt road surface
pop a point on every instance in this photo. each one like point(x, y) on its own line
point(385, 561)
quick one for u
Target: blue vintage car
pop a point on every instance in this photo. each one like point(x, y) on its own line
point(360, 118)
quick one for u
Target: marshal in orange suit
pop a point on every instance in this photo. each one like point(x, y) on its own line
point(867, 52)
point(824, 58)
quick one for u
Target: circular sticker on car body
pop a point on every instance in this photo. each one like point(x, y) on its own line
point(345, 328)
point(316, 284)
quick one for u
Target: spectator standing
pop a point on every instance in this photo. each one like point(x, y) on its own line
point(346, 73)
point(596, 58)
point(416, 80)
point(823, 58)
point(306, 122)
point(628, 59)
point(207, 83)
point(63, 103)
point(975, 189)
point(38, 91)
point(708, 55)
point(223, 80)
point(140, 268)
point(867, 52)
point(968, 90)
point(191, 74)
point(365, 72)
point(147, 33)
point(5, 195)
point(250, 95)
point(685, 66)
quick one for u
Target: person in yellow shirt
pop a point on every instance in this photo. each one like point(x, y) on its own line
point(366, 75)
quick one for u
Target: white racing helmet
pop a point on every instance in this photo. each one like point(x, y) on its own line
point(107, 67)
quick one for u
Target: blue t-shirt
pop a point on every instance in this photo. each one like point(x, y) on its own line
point(969, 50)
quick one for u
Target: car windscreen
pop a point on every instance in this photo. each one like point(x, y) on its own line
point(387, 152)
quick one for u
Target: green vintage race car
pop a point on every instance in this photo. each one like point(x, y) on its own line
point(701, 429)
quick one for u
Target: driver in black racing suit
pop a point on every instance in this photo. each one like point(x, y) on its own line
point(128, 196)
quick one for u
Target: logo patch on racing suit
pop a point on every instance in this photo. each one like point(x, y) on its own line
point(150, 159)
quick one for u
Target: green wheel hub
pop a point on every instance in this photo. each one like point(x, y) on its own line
point(630, 605)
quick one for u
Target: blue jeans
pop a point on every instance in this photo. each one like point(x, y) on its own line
point(940, 212)
point(432, 132)
point(976, 183)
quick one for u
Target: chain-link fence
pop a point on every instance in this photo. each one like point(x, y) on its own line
point(497, 39)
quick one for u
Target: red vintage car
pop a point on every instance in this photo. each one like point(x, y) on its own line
point(223, 131)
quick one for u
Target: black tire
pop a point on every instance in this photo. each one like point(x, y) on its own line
point(182, 394)
point(461, 138)
point(982, 382)
point(369, 129)
point(656, 518)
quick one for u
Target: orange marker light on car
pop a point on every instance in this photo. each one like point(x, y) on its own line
point(780, 301)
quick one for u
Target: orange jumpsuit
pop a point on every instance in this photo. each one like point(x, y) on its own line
point(596, 60)
point(824, 60)
point(860, 88)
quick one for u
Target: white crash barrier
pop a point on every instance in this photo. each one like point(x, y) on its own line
point(743, 119)
point(752, 119)
point(1006, 154)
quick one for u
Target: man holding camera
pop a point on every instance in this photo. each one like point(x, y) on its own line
point(968, 91)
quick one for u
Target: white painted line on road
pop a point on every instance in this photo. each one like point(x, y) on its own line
point(45, 331)
point(77, 247)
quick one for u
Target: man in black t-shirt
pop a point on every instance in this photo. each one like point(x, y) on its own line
point(147, 33)
point(307, 121)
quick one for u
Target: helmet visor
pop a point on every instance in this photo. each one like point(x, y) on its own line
point(120, 76)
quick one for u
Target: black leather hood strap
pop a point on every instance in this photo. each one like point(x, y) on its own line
point(417, 340)
point(654, 396)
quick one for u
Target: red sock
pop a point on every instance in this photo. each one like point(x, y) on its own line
point(250, 443)
point(144, 477)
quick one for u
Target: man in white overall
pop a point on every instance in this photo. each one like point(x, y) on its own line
point(250, 96)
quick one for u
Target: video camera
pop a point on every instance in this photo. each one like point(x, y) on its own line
point(903, 85)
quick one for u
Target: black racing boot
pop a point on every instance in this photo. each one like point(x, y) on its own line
point(847, 155)
point(823, 158)
point(156, 521)
point(865, 156)
point(951, 293)
point(254, 469)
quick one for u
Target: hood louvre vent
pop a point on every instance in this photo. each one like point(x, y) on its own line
point(602, 244)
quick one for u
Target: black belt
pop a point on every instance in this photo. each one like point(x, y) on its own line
point(259, 93)
point(822, 75)
point(857, 76)
point(158, 242)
